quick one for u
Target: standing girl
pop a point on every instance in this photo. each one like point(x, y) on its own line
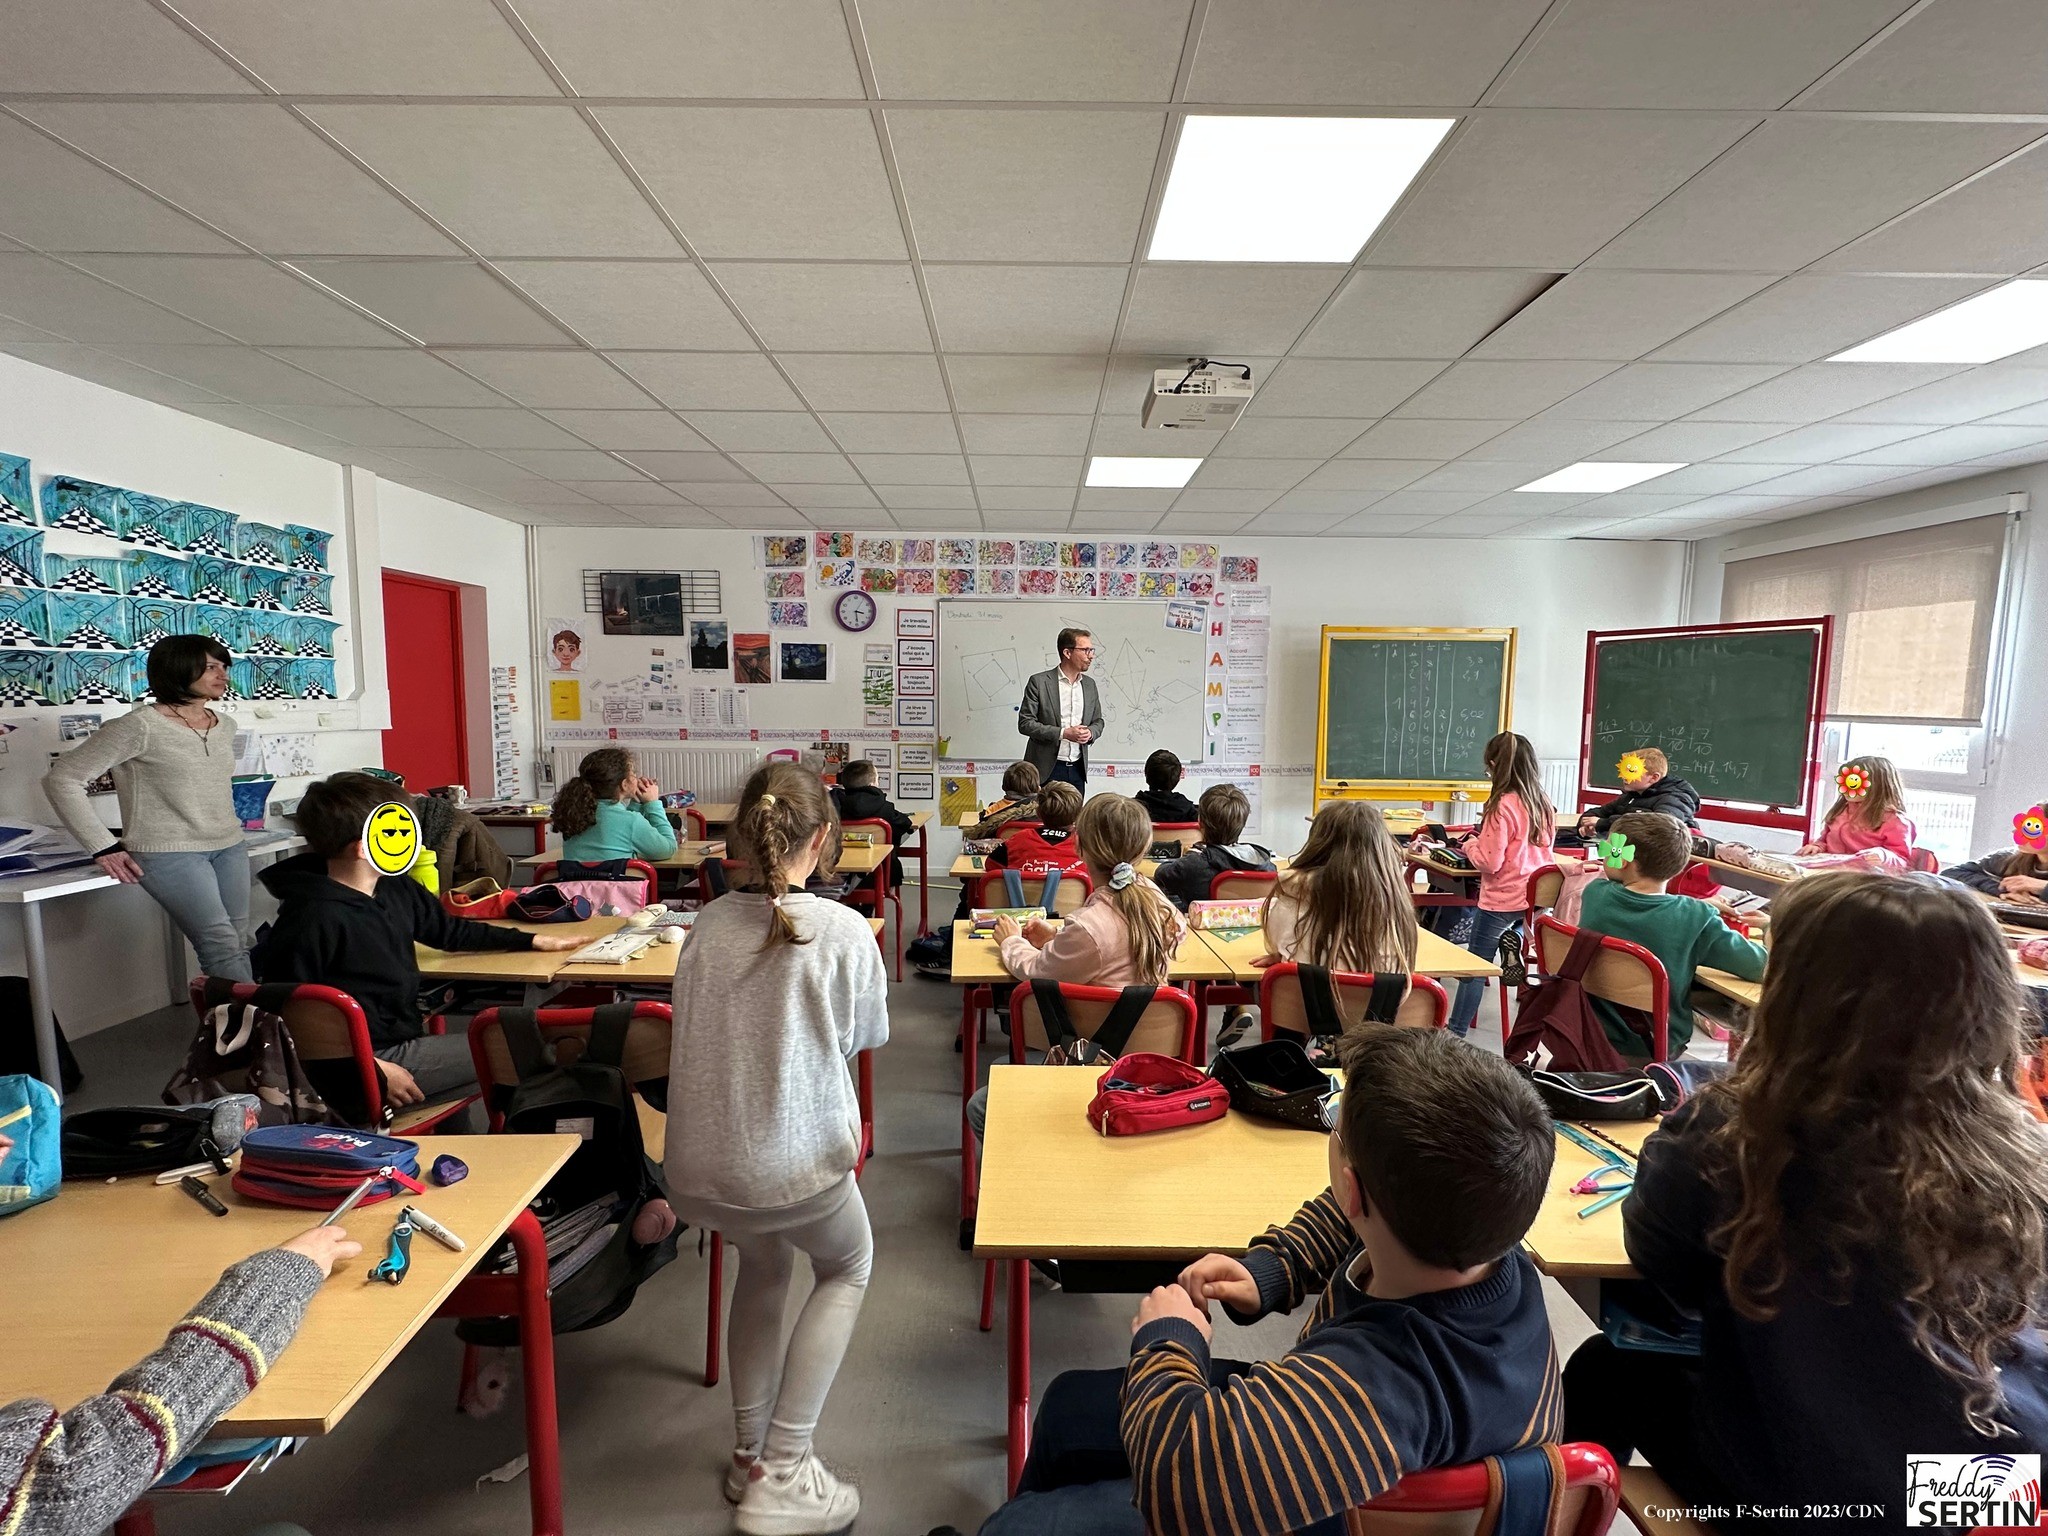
point(1512, 843)
point(608, 814)
point(775, 994)
point(1869, 812)
point(173, 763)
point(1343, 904)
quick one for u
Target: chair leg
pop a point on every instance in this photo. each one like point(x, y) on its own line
point(988, 1295)
point(714, 1311)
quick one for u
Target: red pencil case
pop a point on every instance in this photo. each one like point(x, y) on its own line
point(1149, 1092)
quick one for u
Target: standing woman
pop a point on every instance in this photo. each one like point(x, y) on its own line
point(173, 764)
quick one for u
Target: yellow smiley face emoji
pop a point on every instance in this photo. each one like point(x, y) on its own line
point(391, 838)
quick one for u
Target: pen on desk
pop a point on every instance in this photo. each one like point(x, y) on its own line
point(202, 1194)
point(432, 1228)
point(1603, 1202)
point(354, 1197)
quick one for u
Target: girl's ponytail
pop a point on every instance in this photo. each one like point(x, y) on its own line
point(600, 776)
point(1113, 833)
point(781, 809)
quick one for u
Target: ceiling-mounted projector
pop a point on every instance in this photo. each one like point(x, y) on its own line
point(1200, 397)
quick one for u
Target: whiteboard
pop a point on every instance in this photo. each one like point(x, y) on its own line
point(1148, 677)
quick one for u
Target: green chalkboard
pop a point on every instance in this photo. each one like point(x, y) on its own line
point(1731, 709)
point(1411, 708)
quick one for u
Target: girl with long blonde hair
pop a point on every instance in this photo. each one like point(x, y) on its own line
point(1125, 933)
point(1344, 902)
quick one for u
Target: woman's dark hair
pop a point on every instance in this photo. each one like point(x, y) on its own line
point(176, 662)
point(600, 776)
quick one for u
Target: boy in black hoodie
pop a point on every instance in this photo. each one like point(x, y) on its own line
point(1222, 813)
point(341, 924)
point(1161, 796)
point(1656, 789)
point(860, 800)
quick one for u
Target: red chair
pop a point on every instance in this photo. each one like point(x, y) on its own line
point(1545, 886)
point(645, 1058)
point(694, 822)
point(875, 892)
point(1010, 829)
point(1426, 1006)
point(636, 869)
point(1184, 834)
point(327, 1024)
point(1592, 1490)
point(1622, 973)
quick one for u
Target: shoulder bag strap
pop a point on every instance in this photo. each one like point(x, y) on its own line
point(1585, 947)
point(608, 1029)
point(1121, 1022)
point(530, 1055)
point(1013, 887)
point(1049, 891)
point(1052, 1011)
point(1319, 1000)
point(1387, 992)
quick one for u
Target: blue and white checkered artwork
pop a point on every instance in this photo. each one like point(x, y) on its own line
point(82, 506)
point(209, 531)
point(87, 677)
point(17, 492)
point(24, 617)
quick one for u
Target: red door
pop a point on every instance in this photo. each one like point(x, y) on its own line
point(429, 737)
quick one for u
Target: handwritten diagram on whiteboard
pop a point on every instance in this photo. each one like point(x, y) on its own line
point(1149, 677)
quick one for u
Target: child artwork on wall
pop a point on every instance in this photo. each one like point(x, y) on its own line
point(877, 552)
point(835, 574)
point(783, 549)
point(1077, 584)
point(271, 677)
point(21, 557)
point(1198, 557)
point(266, 634)
point(996, 552)
point(216, 581)
point(311, 636)
point(832, 546)
point(312, 677)
point(877, 579)
point(1077, 556)
point(1117, 557)
point(1197, 584)
point(783, 584)
point(1158, 584)
point(155, 618)
point(311, 594)
point(257, 544)
point(154, 522)
point(917, 583)
point(90, 621)
point(81, 506)
point(25, 678)
point(1038, 552)
point(789, 615)
point(17, 492)
point(217, 622)
point(956, 551)
point(89, 677)
point(209, 531)
point(265, 588)
point(918, 551)
point(24, 617)
point(1038, 583)
point(93, 573)
point(1161, 557)
point(1240, 570)
point(998, 583)
point(752, 659)
point(308, 546)
point(154, 575)
point(1120, 583)
point(805, 662)
point(955, 580)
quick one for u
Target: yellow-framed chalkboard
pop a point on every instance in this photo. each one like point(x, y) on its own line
point(1405, 713)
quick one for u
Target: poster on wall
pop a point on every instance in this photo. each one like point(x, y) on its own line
point(921, 623)
point(565, 646)
point(917, 653)
point(914, 754)
point(642, 602)
point(710, 649)
point(804, 661)
point(924, 712)
point(565, 699)
point(752, 659)
point(914, 786)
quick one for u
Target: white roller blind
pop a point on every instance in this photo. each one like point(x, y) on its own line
point(1913, 616)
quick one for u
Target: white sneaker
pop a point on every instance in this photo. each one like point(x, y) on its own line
point(803, 1500)
point(736, 1476)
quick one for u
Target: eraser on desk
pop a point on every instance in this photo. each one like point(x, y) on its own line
point(449, 1169)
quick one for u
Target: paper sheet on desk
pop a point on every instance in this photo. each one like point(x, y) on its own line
point(29, 847)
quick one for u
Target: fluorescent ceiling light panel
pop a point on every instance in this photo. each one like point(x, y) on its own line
point(1156, 474)
point(1287, 188)
point(2008, 319)
point(1591, 477)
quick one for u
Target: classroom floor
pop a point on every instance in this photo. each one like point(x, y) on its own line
point(916, 1417)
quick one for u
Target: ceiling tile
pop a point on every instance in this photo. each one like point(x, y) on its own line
point(1094, 522)
point(772, 48)
point(1482, 475)
point(939, 521)
point(1024, 520)
point(1026, 434)
point(502, 427)
point(1801, 185)
point(1821, 479)
point(763, 431)
point(912, 468)
point(443, 303)
point(1185, 520)
point(1960, 55)
point(1965, 397)
point(1500, 389)
point(1413, 503)
point(1396, 312)
point(1551, 437)
point(400, 378)
point(710, 381)
point(763, 517)
point(572, 464)
point(1805, 318)
point(1239, 501)
point(1546, 189)
point(545, 380)
point(680, 517)
point(60, 201)
point(798, 468)
point(1616, 315)
point(239, 373)
point(1025, 186)
point(1970, 228)
point(1677, 53)
point(842, 382)
point(910, 497)
point(1250, 474)
point(1412, 438)
point(897, 432)
point(1818, 445)
point(1025, 498)
point(1822, 389)
point(845, 308)
point(1374, 524)
point(707, 479)
point(70, 304)
point(367, 426)
point(765, 181)
point(374, 47)
point(1687, 442)
point(1034, 385)
point(1125, 435)
point(652, 304)
point(830, 498)
point(104, 46)
point(1368, 474)
point(1661, 391)
point(628, 429)
point(1321, 387)
point(1952, 445)
point(274, 429)
point(1341, 51)
point(1281, 437)
point(1292, 522)
point(512, 181)
point(1051, 50)
point(244, 297)
point(1122, 499)
point(1026, 469)
point(1711, 479)
point(1025, 309)
point(2026, 416)
point(1202, 310)
point(626, 493)
point(114, 372)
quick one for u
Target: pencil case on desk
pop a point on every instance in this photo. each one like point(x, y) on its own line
point(315, 1166)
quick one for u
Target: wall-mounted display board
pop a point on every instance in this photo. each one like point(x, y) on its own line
point(1405, 713)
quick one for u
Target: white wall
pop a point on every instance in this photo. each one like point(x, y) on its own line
point(1552, 591)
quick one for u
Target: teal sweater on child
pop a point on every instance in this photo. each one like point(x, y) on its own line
point(625, 829)
point(1683, 932)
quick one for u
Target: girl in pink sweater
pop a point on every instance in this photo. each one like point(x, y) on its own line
point(1126, 932)
point(1869, 812)
point(1512, 843)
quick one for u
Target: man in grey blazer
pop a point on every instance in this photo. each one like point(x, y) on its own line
point(1062, 713)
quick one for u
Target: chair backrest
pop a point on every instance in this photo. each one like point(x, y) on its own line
point(1010, 829)
point(1426, 1006)
point(1167, 1027)
point(1243, 884)
point(1623, 973)
point(646, 1055)
point(1448, 1501)
point(885, 835)
point(1074, 888)
point(695, 824)
point(1183, 834)
point(1924, 860)
point(1544, 886)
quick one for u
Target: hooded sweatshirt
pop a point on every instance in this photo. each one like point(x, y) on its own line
point(1188, 877)
point(332, 935)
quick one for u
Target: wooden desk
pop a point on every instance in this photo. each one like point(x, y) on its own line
point(1747, 992)
point(102, 1310)
point(979, 962)
point(1744, 878)
point(1560, 1241)
point(717, 813)
point(1434, 956)
point(535, 822)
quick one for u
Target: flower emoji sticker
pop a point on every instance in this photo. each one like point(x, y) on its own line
point(2030, 827)
point(1616, 850)
point(391, 838)
point(1632, 768)
point(1853, 782)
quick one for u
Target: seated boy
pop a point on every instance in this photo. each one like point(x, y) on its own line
point(1051, 844)
point(341, 924)
point(1222, 812)
point(1430, 1344)
point(1019, 803)
point(1657, 789)
point(1162, 800)
point(860, 800)
point(1683, 932)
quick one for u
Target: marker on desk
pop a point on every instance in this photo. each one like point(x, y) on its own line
point(432, 1228)
point(202, 1194)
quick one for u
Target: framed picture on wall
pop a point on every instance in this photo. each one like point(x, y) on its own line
point(917, 653)
point(917, 683)
point(641, 602)
point(914, 754)
point(916, 711)
point(921, 623)
point(914, 786)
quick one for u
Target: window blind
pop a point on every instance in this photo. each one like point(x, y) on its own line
point(1913, 616)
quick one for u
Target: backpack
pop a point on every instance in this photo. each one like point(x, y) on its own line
point(33, 1166)
point(1559, 1016)
point(245, 1047)
point(1068, 1048)
point(1326, 1018)
point(588, 1207)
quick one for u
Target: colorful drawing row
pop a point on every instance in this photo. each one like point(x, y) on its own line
point(948, 581)
point(83, 506)
point(1083, 554)
point(95, 621)
point(29, 678)
point(144, 573)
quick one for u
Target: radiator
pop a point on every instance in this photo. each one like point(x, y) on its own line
point(1561, 781)
point(716, 773)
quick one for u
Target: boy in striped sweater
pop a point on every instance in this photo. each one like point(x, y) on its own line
point(1429, 1345)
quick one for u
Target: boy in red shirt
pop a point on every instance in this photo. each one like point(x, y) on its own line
point(1051, 845)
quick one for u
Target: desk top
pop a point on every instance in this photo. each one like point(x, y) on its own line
point(86, 1242)
point(1434, 956)
point(856, 860)
point(1561, 1242)
point(47, 885)
point(1747, 992)
point(979, 962)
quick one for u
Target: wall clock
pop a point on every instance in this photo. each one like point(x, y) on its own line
point(855, 611)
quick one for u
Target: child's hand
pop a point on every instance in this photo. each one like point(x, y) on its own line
point(400, 1087)
point(1006, 929)
point(2022, 885)
point(325, 1246)
point(1806, 848)
point(1218, 1277)
point(555, 943)
point(647, 789)
point(1039, 932)
point(1170, 1301)
point(1262, 962)
point(1588, 825)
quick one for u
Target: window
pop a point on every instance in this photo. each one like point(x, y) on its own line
point(1940, 764)
point(1913, 611)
